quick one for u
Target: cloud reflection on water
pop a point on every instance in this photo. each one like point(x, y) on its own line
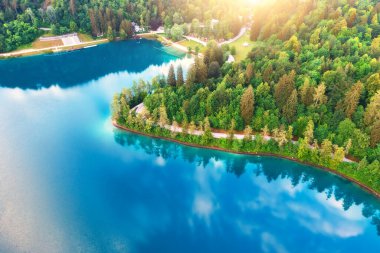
point(38, 133)
point(70, 182)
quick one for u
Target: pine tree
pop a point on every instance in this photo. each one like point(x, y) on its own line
point(255, 30)
point(351, 99)
point(289, 109)
point(375, 134)
point(247, 102)
point(338, 156)
point(214, 70)
point(373, 84)
point(326, 151)
point(190, 78)
point(171, 77)
point(110, 33)
point(200, 71)
point(163, 121)
point(303, 149)
point(289, 133)
point(231, 131)
point(372, 112)
point(180, 80)
point(267, 75)
point(351, 17)
point(207, 135)
point(309, 132)
point(94, 22)
point(307, 92)
point(319, 96)
point(72, 7)
point(348, 146)
point(248, 133)
point(284, 89)
point(249, 73)
point(115, 108)
point(192, 127)
point(265, 131)
point(124, 107)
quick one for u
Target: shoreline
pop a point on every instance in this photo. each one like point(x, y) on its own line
point(49, 50)
point(266, 154)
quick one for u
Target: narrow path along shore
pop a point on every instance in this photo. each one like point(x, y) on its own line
point(218, 135)
point(360, 184)
point(32, 51)
point(174, 44)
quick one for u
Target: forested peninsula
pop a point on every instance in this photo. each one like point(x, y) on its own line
point(311, 83)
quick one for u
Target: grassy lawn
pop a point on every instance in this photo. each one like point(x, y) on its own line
point(163, 35)
point(242, 51)
point(26, 46)
point(37, 44)
point(192, 44)
point(85, 37)
point(47, 34)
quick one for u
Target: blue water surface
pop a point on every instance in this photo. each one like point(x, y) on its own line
point(71, 182)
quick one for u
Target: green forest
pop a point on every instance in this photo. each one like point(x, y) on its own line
point(311, 81)
point(21, 20)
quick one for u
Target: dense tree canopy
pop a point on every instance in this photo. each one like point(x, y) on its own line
point(315, 76)
point(20, 19)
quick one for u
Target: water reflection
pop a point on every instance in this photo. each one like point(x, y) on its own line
point(337, 195)
point(48, 192)
point(66, 185)
point(77, 67)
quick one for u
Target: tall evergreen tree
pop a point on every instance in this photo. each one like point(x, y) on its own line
point(180, 80)
point(284, 88)
point(247, 102)
point(249, 72)
point(375, 134)
point(171, 76)
point(289, 109)
point(351, 99)
point(372, 113)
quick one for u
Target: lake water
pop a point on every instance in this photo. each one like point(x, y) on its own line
point(70, 182)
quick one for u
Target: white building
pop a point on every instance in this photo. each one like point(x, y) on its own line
point(214, 22)
point(230, 59)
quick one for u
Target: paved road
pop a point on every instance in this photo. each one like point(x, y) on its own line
point(241, 33)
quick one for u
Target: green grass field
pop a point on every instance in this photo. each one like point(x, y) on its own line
point(192, 44)
point(242, 51)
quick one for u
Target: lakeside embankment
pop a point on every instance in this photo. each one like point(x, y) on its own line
point(269, 154)
point(63, 48)
point(50, 50)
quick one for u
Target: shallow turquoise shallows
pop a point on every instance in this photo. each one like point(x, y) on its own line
point(71, 182)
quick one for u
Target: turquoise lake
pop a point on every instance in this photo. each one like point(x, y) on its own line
point(71, 182)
